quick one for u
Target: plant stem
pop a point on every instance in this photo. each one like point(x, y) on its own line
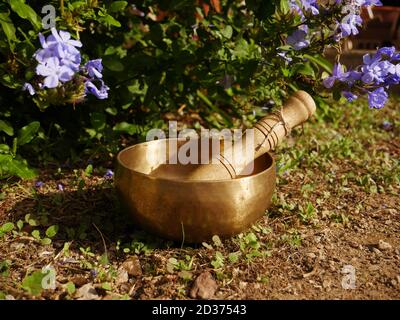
point(62, 7)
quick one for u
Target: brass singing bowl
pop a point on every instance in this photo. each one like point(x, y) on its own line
point(189, 210)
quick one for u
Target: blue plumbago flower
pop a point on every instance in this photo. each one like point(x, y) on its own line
point(310, 5)
point(377, 72)
point(368, 3)
point(59, 61)
point(387, 125)
point(64, 39)
point(295, 7)
point(284, 56)
point(54, 73)
point(377, 98)
point(337, 74)
point(109, 174)
point(301, 6)
point(298, 40)
point(93, 273)
point(91, 88)
point(353, 76)
point(60, 187)
point(39, 184)
point(374, 76)
point(349, 96)
point(61, 47)
point(94, 68)
point(28, 87)
point(387, 51)
point(349, 25)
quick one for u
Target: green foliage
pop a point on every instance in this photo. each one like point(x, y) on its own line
point(218, 261)
point(52, 231)
point(160, 57)
point(33, 283)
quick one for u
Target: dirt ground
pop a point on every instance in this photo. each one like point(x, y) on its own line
point(332, 232)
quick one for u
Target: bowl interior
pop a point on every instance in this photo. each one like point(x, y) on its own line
point(145, 157)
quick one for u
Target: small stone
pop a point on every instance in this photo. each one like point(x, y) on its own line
point(132, 266)
point(354, 244)
point(311, 255)
point(393, 282)
point(79, 281)
point(87, 292)
point(384, 246)
point(9, 297)
point(376, 250)
point(326, 283)
point(122, 276)
point(374, 268)
point(204, 287)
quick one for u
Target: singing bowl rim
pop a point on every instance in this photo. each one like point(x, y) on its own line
point(251, 176)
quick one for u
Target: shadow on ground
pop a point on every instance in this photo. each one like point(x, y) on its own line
point(85, 217)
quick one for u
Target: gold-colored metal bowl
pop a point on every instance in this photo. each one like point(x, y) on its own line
point(192, 211)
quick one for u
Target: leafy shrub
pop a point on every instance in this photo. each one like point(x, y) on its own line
point(226, 61)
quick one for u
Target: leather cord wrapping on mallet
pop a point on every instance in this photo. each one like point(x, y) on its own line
point(228, 166)
point(269, 131)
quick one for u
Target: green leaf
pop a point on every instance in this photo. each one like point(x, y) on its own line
point(27, 133)
point(106, 286)
point(117, 6)
point(219, 260)
point(25, 12)
point(15, 167)
point(284, 6)
point(227, 32)
point(4, 148)
point(217, 241)
point(126, 127)
point(321, 61)
point(8, 26)
point(233, 257)
point(33, 283)
point(45, 241)
point(223, 114)
point(111, 21)
point(89, 170)
point(7, 227)
point(52, 231)
point(36, 234)
point(6, 127)
point(113, 64)
point(21, 169)
point(70, 287)
point(98, 120)
point(185, 275)
point(112, 110)
point(306, 69)
point(20, 224)
point(104, 259)
point(5, 267)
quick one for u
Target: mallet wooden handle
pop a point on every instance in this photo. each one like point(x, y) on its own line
point(269, 131)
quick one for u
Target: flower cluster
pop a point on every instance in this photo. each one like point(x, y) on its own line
point(373, 77)
point(59, 62)
point(378, 71)
point(347, 21)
